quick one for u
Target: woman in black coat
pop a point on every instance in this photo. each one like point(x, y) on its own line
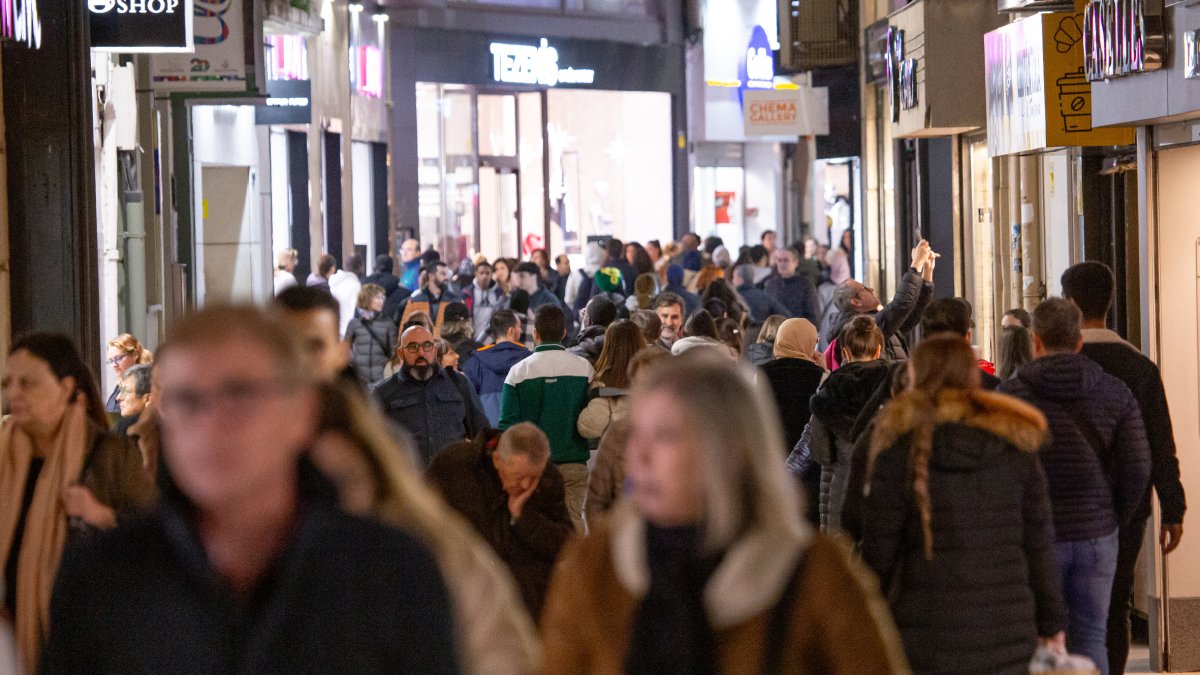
point(794, 375)
point(957, 520)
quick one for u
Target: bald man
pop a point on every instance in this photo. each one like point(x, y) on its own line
point(437, 406)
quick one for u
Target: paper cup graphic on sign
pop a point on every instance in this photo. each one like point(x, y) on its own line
point(1075, 101)
point(101, 6)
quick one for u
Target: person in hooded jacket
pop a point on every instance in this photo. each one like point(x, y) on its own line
point(489, 365)
point(837, 406)
point(957, 520)
point(483, 296)
point(794, 375)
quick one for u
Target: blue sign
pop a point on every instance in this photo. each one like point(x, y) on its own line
point(758, 66)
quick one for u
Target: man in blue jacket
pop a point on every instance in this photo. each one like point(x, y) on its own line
point(489, 365)
point(1097, 465)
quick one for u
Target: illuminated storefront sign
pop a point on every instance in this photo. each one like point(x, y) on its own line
point(527, 64)
point(758, 68)
point(141, 25)
point(1122, 37)
point(287, 57)
point(20, 22)
point(288, 102)
point(1038, 95)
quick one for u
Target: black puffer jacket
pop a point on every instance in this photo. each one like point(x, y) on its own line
point(1092, 491)
point(793, 382)
point(590, 343)
point(372, 343)
point(836, 407)
point(991, 587)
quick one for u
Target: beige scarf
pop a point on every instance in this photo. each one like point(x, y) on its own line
point(797, 339)
point(46, 526)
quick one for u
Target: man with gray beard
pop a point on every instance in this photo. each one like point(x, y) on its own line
point(437, 406)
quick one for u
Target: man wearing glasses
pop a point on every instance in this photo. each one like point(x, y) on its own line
point(249, 564)
point(437, 406)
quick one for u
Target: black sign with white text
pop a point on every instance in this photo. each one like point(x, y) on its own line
point(141, 25)
point(288, 102)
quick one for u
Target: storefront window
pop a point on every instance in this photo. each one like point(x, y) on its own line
point(980, 232)
point(609, 160)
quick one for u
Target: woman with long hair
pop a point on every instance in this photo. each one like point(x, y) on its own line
point(61, 473)
point(957, 523)
point(365, 462)
point(502, 273)
point(722, 290)
point(639, 259)
point(708, 566)
point(1014, 351)
point(622, 341)
point(124, 352)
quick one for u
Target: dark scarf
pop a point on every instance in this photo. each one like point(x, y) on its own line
point(671, 634)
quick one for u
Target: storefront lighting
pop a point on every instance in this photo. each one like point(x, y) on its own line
point(728, 84)
point(379, 17)
point(356, 7)
point(789, 86)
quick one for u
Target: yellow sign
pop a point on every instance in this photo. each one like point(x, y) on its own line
point(1038, 95)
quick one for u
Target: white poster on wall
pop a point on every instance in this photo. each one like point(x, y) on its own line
point(786, 112)
point(219, 62)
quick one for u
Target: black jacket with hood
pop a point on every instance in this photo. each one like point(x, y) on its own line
point(836, 407)
point(992, 586)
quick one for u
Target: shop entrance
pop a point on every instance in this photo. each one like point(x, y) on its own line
point(504, 172)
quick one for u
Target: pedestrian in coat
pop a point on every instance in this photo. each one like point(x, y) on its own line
point(370, 337)
point(957, 520)
point(794, 375)
point(1090, 286)
point(708, 567)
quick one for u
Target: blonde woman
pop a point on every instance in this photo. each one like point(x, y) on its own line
point(124, 352)
point(355, 449)
point(708, 566)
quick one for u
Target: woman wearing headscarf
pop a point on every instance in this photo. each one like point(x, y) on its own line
point(794, 375)
point(61, 473)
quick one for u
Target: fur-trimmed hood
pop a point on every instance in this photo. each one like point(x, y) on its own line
point(1015, 421)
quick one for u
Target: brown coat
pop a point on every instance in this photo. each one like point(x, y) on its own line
point(839, 623)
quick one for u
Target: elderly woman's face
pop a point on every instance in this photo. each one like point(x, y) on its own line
point(38, 400)
point(661, 461)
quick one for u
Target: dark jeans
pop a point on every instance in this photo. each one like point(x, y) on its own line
point(1087, 569)
point(1129, 545)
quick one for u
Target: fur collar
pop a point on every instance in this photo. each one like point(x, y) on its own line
point(1013, 420)
point(749, 580)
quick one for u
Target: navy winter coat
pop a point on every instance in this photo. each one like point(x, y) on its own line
point(1092, 491)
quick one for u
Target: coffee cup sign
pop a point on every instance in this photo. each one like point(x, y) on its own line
point(141, 25)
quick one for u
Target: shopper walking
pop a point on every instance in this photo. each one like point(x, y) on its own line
point(794, 375)
point(370, 337)
point(957, 520)
point(124, 352)
point(488, 367)
point(709, 566)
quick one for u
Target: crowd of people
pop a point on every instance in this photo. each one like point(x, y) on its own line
point(668, 461)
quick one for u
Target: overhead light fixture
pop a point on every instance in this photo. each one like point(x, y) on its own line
point(379, 17)
point(356, 7)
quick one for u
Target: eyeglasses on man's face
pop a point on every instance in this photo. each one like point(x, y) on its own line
point(417, 347)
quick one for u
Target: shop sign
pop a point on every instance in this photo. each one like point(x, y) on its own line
point(1122, 37)
point(758, 66)
point(219, 61)
point(527, 64)
point(780, 112)
point(20, 22)
point(141, 25)
point(1038, 95)
point(288, 102)
point(902, 74)
point(1191, 54)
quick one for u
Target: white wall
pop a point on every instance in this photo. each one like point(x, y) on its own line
point(1056, 218)
point(233, 239)
point(764, 190)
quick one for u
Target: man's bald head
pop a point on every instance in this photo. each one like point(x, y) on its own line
point(417, 348)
